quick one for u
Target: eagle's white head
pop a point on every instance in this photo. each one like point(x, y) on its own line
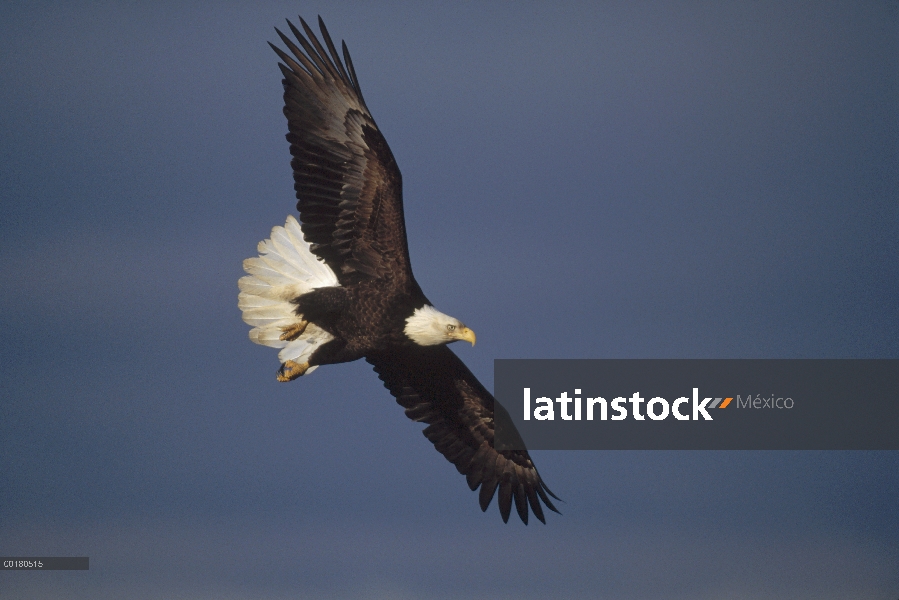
point(429, 327)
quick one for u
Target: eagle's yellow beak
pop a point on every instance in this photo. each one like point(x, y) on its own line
point(467, 335)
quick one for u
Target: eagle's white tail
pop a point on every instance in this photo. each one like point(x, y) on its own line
point(284, 269)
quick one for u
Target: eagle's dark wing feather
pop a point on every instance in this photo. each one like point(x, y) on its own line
point(436, 388)
point(347, 182)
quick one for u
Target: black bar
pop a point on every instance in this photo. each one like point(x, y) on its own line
point(44, 563)
point(789, 404)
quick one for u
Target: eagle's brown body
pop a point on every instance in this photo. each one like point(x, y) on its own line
point(364, 318)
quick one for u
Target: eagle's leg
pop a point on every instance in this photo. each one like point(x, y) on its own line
point(292, 332)
point(291, 370)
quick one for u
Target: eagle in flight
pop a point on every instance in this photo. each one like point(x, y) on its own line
point(337, 286)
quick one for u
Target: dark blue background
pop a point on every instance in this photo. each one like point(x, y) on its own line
point(582, 180)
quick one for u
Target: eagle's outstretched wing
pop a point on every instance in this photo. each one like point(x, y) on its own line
point(346, 179)
point(435, 387)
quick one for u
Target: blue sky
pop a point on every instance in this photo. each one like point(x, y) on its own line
point(582, 180)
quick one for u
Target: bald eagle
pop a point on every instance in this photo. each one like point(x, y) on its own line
point(337, 286)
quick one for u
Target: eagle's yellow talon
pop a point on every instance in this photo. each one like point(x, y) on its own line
point(292, 332)
point(291, 370)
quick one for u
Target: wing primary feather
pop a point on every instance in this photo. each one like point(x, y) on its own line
point(546, 501)
point(320, 65)
point(295, 72)
point(477, 472)
point(488, 490)
point(534, 501)
point(520, 496)
point(505, 497)
point(331, 49)
point(320, 55)
point(296, 77)
point(352, 72)
point(549, 491)
point(307, 64)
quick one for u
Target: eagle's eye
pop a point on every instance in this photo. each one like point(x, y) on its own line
point(450, 328)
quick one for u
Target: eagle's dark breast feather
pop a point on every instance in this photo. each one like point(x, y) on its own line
point(349, 192)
